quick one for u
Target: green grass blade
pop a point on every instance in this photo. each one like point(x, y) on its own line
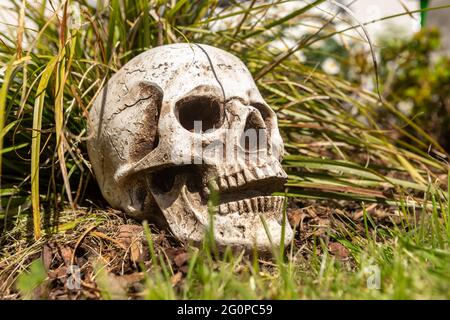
point(36, 144)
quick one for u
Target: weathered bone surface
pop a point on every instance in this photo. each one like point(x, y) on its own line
point(152, 162)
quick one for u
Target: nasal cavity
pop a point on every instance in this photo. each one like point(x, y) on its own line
point(254, 136)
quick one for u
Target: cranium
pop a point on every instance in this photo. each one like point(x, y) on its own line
point(152, 160)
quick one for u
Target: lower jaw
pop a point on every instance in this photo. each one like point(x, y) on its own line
point(253, 222)
point(253, 205)
point(252, 229)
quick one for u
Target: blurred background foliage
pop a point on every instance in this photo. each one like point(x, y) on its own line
point(417, 81)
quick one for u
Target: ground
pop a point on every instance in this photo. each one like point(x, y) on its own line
point(114, 259)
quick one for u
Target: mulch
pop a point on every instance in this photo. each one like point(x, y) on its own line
point(110, 248)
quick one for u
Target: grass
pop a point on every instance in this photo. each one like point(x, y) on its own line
point(340, 261)
point(338, 155)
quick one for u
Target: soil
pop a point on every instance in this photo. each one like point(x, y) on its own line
point(109, 241)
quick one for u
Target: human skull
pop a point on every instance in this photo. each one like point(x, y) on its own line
point(178, 124)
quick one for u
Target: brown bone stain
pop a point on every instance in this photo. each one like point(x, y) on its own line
point(147, 139)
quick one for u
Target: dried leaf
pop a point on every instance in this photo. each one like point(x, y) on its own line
point(47, 254)
point(66, 253)
point(181, 258)
point(338, 250)
point(176, 278)
point(136, 251)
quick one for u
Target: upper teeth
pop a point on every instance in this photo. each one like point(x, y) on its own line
point(247, 175)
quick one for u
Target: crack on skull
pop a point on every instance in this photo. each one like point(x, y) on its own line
point(126, 106)
point(134, 71)
point(119, 154)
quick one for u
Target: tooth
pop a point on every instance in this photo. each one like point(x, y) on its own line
point(269, 172)
point(260, 204)
point(232, 182)
point(241, 206)
point(271, 202)
point(276, 204)
point(223, 183)
point(254, 204)
point(275, 166)
point(248, 205)
point(240, 179)
point(266, 204)
point(281, 202)
point(248, 175)
point(279, 170)
point(233, 206)
point(223, 209)
point(282, 199)
point(259, 173)
point(278, 165)
point(282, 174)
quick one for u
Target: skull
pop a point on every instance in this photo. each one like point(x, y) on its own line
point(181, 136)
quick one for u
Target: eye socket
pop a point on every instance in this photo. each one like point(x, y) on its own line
point(206, 109)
